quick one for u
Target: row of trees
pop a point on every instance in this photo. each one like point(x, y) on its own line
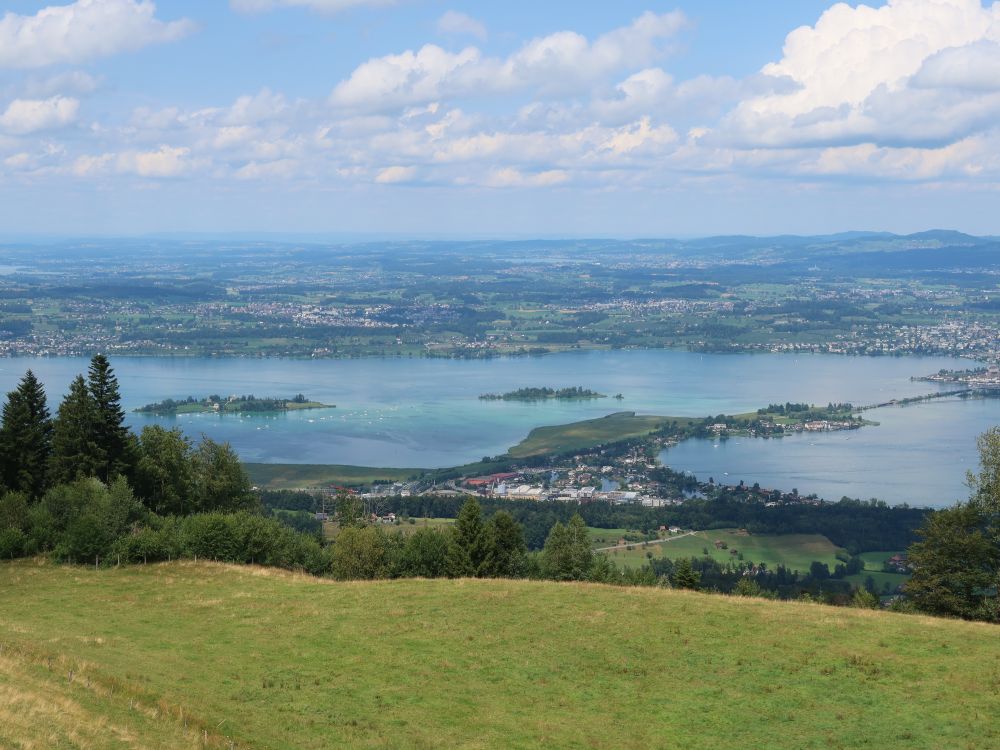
point(476, 547)
point(87, 521)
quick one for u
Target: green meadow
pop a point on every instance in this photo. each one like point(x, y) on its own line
point(310, 476)
point(589, 433)
point(198, 655)
point(794, 551)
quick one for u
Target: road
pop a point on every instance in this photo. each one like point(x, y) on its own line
point(646, 544)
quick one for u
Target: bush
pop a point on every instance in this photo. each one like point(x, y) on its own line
point(209, 536)
point(363, 553)
point(425, 554)
point(13, 543)
point(146, 545)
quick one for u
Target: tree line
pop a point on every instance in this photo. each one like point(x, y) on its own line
point(474, 546)
point(858, 526)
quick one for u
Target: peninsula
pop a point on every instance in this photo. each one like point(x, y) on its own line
point(980, 377)
point(230, 405)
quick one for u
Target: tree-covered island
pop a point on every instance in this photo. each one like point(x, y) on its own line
point(230, 405)
point(575, 393)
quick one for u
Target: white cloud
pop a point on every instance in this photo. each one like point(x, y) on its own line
point(509, 177)
point(638, 136)
point(558, 64)
point(278, 169)
point(166, 161)
point(975, 67)
point(395, 174)
point(83, 30)
point(24, 116)
point(262, 106)
point(69, 82)
point(453, 22)
point(323, 6)
point(89, 165)
point(909, 92)
point(21, 160)
point(409, 78)
point(857, 69)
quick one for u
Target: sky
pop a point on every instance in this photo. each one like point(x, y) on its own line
point(447, 118)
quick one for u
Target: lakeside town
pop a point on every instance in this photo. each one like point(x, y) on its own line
point(626, 473)
point(978, 378)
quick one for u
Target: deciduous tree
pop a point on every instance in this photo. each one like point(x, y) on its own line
point(220, 482)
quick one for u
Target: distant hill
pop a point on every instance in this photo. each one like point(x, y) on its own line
point(203, 655)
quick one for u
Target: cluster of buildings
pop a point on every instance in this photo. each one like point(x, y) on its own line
point(988, 377)
point(962, 338)
point(578, 484)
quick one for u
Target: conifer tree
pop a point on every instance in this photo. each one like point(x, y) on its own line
point(506, 551)
point(75, 451)
point(557, 558)
point(685, 576)
point(470, 533)
point(26, 438)
point(581, 551)
point(567, 555)
point(457, 561)
point(110, 432)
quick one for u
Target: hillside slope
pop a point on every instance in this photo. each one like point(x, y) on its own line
point(276, 660)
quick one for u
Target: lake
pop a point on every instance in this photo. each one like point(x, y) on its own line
point(425, 412)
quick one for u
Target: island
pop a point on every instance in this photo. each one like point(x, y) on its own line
point(230, 405)
point(544, 394)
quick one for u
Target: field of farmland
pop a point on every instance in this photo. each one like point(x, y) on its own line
point(310, 476)
point(794, 551)
point(194, 655)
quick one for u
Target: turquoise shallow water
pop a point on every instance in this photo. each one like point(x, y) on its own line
point(420, 412)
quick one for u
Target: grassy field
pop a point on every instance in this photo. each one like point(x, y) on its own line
point(265, 659)
point(873, 568)
point(606, 537)
point(306, 476)
point(591, 432)
point(794, 551)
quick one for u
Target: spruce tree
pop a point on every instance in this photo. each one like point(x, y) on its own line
point(581, 550)
point(557, 556)
point(685, 576)
point(506, 551)
point(110, 431)
point(567, 555)
point(470, 533)
point(76, 454)
point(26, 438)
